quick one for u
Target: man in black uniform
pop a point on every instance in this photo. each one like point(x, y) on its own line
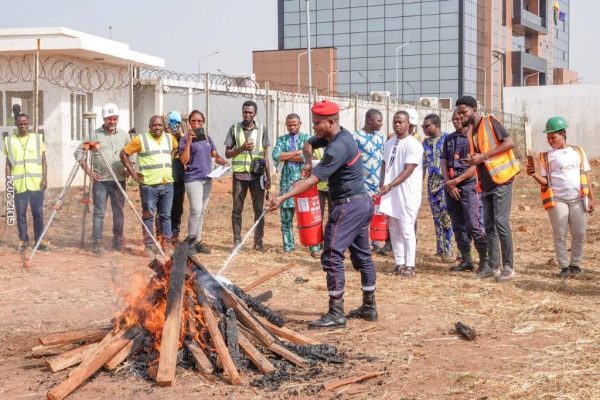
point(348, 223)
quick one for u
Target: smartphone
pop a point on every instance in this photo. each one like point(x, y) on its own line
point(200, 135)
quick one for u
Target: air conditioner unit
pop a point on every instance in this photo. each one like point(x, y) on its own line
point(379, 96)
point(429, 102)
point(445, 103)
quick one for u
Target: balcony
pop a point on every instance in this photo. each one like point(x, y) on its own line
point(527, 23)
point(524, 63)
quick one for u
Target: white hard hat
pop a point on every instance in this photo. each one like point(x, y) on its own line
point(413, 116)
point(110, 110)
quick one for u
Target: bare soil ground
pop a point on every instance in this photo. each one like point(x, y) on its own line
point(538, 337)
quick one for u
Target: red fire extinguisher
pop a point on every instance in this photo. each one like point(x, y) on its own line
point(308, 215)
point(379, 223)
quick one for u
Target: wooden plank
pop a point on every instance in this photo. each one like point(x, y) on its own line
point(41, 350)
point(230, 371)
point(246, 317)
point(130, 349)
point(167, 360)
point(83, 372)
point(69, 358)
point(287, 334)
point(288, 355)
point(85, 335)
point(205, 367)
point(335, 383)
point(268, 276)
point(91, 353)
point(261, 362)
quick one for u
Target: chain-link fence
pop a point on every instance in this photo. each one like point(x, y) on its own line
point(68, 87)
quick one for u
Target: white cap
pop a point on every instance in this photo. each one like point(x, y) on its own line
point(110, 110)
point(413, 116)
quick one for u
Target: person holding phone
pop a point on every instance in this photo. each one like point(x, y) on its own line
point(196, 150)
point(566, 194)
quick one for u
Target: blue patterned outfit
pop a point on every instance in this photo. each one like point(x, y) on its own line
point(371, 149)
point(290, 173)
point(436, 194)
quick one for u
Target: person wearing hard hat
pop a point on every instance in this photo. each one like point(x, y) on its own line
point(490, 150)
point(26, 172)
point(111, 140)
point(349, 218)
point(155, 150)
point(566, 193)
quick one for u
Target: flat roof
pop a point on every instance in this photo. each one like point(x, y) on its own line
point(65, 41)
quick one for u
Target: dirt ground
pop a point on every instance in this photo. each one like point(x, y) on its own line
point(538, 337)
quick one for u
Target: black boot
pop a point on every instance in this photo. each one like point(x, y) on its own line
point(466, 264)
point(368, 309)
point(334, 318)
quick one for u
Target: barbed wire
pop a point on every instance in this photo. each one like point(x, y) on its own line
point(64, 72)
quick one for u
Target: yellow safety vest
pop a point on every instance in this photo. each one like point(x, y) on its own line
point(241, 163)
point(502, 167)
point(322, 185)
point(155, 159)
point(547, 193)
point(26, 162)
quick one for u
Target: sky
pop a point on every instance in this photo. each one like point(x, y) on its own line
point(188, 33)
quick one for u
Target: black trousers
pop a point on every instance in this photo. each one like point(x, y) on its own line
point(257, 194)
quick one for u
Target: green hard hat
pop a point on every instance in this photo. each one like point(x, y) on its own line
point(556, 124)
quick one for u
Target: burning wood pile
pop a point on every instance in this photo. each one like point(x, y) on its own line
point(184, 307)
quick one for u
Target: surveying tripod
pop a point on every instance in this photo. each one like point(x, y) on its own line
point(88, 146)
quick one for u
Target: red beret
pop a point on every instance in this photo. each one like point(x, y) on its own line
point(325, 108)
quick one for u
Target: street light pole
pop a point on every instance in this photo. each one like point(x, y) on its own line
point(205, 57)
point(308, 58)
point(329, 75)
point(298, 68)
point(368, 82)
point(397, 86)
point(413, 90)
point(484, 82)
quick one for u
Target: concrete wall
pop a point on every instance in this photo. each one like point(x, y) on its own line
point(577, 103)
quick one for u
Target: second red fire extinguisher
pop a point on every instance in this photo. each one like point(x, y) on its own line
point(308, 215)
point(379, 223)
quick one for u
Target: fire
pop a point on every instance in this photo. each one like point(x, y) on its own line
point(147, 308)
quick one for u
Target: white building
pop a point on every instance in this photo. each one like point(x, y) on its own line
point(78, 72)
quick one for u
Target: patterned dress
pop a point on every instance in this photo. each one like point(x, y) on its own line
point(371, 148)
point(436, 195)
point(290, 173)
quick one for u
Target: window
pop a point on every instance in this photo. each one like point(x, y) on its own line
point(448, 6)
point(324, 15)
point(432, 7)
point(292, 43)
point(358, 13)
point(358, 38)
point(341, 40)
point(376, 63)
point(393, 36)
point(432, 47)
point(358, 26)
point(290, 6)
point(377, 24)
point(430, 74)
point(341, 14)
point(393, 23)
point(432, 60)
point(430, 21)
point(376, 37)
point(325, 28)
point(449, 20)
point(358, 51)
point(22, 102)
point(341, 27)
point(393, 10)
point(291, 30)
point(411, 23)
point(376, 50)
point(79, 104)
point(324, 40)
point(376, 12)
point(412, 9)
point(430, 34)
point(324, 4)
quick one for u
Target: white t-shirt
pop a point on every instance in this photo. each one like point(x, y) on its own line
point(564, 172)
point(404, 200)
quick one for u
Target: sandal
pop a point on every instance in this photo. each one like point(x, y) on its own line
point(398, 269)
point(408, 272)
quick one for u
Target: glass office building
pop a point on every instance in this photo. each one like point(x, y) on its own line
point(455, 47)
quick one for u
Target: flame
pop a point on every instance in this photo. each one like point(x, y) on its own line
point(147, 308)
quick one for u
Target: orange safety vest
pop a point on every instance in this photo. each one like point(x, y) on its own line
point(502, 167)
point(547, 194)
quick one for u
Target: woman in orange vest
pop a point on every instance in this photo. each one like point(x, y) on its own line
point(566, 194)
